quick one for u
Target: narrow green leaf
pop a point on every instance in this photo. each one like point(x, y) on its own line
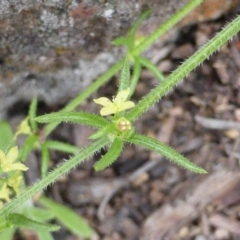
point(68, 218)
point(28, 146)
point(102, 132)
point(6, 135)
point(165, 150)
point(32, 114)
point(152, 68)
point(111, 156)
point(7, 234)
point(20, 220)
point(38, 214)
point(122, 41)
point(137, 24)
point(62, 147)
point(44, 236)
point(135, 77)
point(87, 119)
point(45, 160)
point(125, 76)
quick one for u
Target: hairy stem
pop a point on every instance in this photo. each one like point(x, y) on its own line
point(183, 70)
point(52, 176)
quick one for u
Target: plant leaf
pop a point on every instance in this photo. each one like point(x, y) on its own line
point(125, 76)
point(20, 220)
point(152, 68)
point(68, 218)
point(45, 236)
point(135, 77)
point(28, 146)
point(7, 234)
point(38, 214)
point(165, 150)
point(122, 41)
point(32, 114)
point(6, 135)
point(137, 24)
point(45, 160)
point(102, 132)
point(112, 154)
point(62, 147)
point(87, 119)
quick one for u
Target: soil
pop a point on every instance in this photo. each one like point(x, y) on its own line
point(166, 201)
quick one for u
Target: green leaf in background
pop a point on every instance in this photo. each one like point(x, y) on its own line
point(124, 41)
point(45, 160)
point(45, 236)
point(38, 214)
point(28, 146)
point(68, 218)
point(62, 147)
point(7, 234)
point(152, 68)
point(135, 77)
point(20, 220)
point(32, 114)
point(6, 135)
point(137, 24)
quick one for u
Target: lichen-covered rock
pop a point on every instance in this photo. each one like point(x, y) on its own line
point(53, 49)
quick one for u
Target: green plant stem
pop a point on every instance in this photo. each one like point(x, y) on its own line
point(87, 92)
point(52, 176)
point(166, 26)
point(183, 70)
point(135, 76)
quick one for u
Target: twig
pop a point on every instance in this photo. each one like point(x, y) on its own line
point(216, 124)
point(144, 168)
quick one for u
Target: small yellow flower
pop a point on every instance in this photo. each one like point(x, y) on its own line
point(7, 161)
point(23, 128)
point(118, 104)
point(15, 182)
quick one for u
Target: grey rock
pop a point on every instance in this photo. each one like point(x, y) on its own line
point(53, 49)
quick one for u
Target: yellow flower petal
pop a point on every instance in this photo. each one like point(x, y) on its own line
point(117, 105)
point(126, 105)
point(7, 161)
point(108, 110)
point(23, 128)
point(12, 154)
point(122, 96)
point(15, 182)
point(18, 166)
point(103, 101)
